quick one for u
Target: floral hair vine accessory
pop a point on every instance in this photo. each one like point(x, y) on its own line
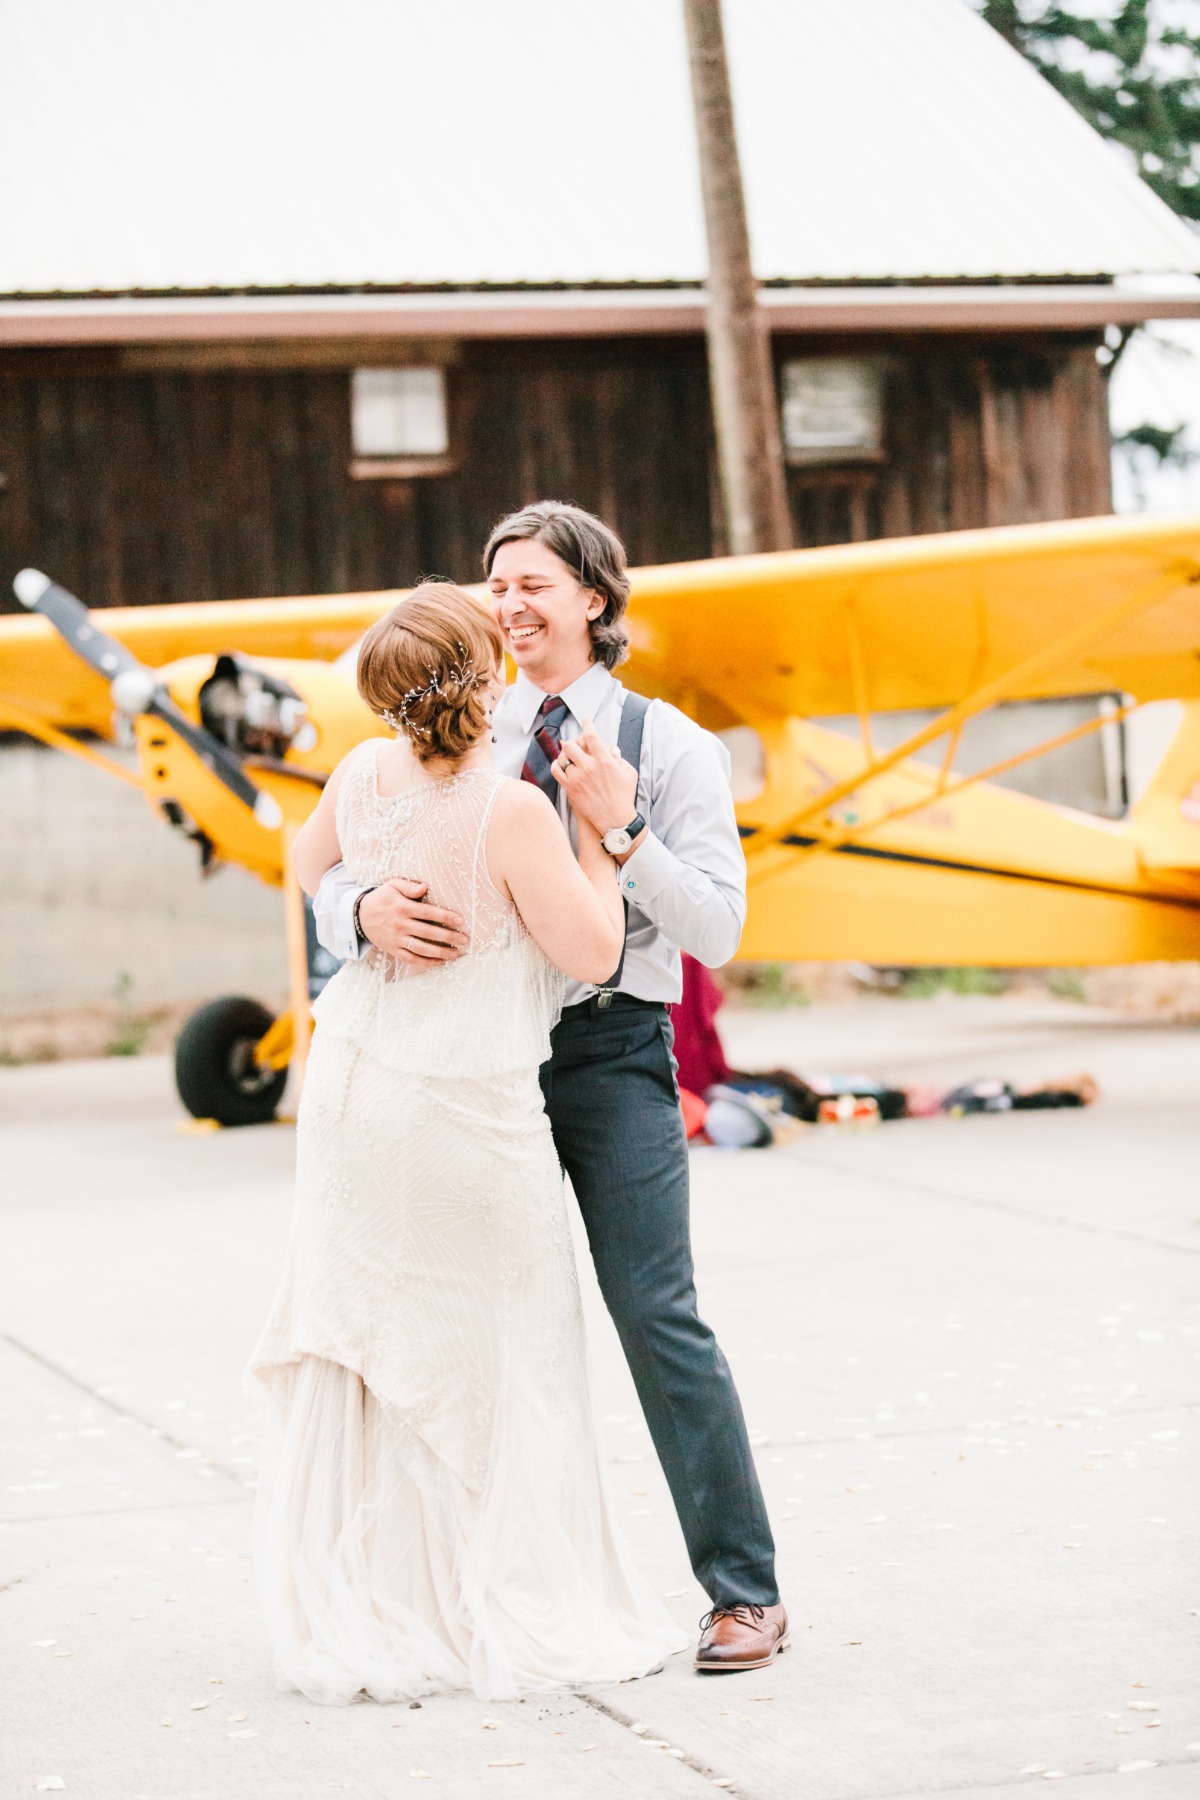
point(461, 674)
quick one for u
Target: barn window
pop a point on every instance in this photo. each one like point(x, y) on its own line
point(398, 423)
point(833, 409)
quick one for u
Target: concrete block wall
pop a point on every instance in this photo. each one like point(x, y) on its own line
point(94, 889)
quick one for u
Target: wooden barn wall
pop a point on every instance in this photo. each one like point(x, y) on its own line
point(983, 434)
point(202, 484)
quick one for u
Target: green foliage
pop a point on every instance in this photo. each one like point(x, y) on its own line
point(130, 1029)
point(1164, 442)
point(1066, 984)
point(129, 1035)
point(923, 984)
point(1133, 77)
point(975, 981)
point(766, 984)
point(36, 1053)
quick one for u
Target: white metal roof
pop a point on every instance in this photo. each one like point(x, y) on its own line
point(231, 144)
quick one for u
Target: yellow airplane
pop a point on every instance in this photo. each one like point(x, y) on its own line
point(240, 709)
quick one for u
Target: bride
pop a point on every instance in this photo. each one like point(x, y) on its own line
point(432, 1512)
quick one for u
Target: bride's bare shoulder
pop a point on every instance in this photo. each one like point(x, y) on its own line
point(361, 756)
point(520, 803)
point(524, 827)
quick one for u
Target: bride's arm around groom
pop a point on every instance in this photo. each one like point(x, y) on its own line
point(572, 909)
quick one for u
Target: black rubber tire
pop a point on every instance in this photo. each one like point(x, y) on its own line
point(215, 1071)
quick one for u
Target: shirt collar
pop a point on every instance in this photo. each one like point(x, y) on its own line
point(583, 696)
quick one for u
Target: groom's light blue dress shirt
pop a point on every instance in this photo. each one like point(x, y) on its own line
point(686, 881)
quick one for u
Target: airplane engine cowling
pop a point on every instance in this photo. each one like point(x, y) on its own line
point(251, 711)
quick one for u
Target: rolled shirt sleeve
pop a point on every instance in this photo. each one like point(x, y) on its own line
point(689, 878)
point(333, 914)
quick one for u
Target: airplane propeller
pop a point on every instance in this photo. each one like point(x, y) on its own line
point(137, 689)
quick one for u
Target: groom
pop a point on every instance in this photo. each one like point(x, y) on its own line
point(559, 588)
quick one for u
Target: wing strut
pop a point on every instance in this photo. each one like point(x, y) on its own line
point(13, 718)
point(947, 791)
point(1003, 687)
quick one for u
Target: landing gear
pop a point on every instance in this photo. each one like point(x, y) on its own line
point(233, 1056)
point(217, 1071)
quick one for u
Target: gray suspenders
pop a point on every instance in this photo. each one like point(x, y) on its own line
point(629, 743)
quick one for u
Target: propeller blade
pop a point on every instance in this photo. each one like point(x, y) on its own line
point(110, 658)
point(71, 619)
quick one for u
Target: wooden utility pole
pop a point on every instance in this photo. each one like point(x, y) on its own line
point(745, 410)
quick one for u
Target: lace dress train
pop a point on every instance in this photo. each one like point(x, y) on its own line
point(432, 1510)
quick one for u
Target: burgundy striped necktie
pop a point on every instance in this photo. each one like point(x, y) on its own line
point(544, 746)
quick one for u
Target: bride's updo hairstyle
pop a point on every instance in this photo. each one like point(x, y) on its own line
point(425, 668)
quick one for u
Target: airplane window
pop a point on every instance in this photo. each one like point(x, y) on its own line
point(748, 755)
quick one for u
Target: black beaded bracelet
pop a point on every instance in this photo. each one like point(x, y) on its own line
point(359, 933)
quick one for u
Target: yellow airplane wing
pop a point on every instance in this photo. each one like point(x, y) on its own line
point(42, 677)
point(1020, 612)
point(1086, 606)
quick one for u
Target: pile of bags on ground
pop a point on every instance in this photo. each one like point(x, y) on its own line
point(739, 1110)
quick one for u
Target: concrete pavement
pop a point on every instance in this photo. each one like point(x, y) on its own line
point(968, 1352)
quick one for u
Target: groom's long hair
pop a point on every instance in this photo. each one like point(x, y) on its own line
point(595, 556)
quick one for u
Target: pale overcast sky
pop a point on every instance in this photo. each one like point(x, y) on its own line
point(1157, 381)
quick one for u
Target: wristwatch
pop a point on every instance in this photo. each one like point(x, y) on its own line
point(618, 840)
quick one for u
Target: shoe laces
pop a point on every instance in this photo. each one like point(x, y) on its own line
point(745, 1612)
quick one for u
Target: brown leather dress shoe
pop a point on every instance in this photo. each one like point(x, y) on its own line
point(741, 1637)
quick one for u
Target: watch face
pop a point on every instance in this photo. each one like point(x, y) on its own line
point(616, 842)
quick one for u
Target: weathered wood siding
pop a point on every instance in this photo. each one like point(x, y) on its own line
point(201, 483)
point(986, 434)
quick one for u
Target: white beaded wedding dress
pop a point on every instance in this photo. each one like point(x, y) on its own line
point(432, 1511)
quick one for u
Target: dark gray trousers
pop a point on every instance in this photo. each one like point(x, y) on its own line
point(614, 1109)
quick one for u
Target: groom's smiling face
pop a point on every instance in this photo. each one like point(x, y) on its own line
point(542, 611)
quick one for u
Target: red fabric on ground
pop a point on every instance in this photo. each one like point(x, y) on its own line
point(697, 1046)
point(695, 1111)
